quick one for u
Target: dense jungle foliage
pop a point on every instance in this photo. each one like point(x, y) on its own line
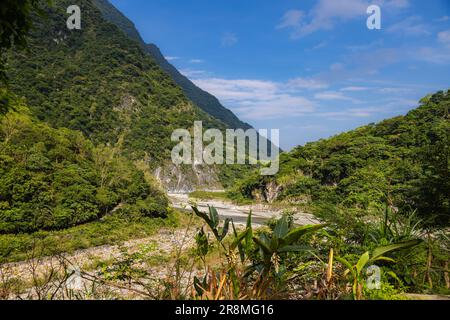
point(56, 178)
point(121, 104)
point(404, 161)
point(89, 116)
point(99, 81)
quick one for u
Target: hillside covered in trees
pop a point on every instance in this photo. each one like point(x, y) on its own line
point(56, 178)
point(86, 118)
point(403, 161)
point(199, 97)
point(99, 81)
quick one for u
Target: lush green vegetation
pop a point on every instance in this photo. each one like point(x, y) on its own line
point(200, 98)
point(55, 178)
point(111, 230)
point(209, 195)
point(286, 261)
point(403, 161)
point(100, 82)
point(78, 150)
point(15, 23)
point(323, 261)
point(118, 106)
point(384, 185)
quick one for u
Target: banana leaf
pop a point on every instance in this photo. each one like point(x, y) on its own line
point(380, 251)
point(295, 234)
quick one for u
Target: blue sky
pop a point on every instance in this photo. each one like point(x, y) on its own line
point(309, 68)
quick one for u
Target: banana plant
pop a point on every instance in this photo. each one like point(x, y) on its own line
point(244, 241)
point(212, 219)
point(369, 258)
point(283, 240)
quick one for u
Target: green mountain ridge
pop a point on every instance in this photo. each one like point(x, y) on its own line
point(56, 178)
point(95, 121)
point(403, 161)
point(199, 97)
point(99, 81)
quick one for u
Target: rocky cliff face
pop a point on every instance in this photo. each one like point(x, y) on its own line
point(185, 179)
point(272, 191)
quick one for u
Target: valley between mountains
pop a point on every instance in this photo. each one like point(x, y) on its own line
point(92, 206)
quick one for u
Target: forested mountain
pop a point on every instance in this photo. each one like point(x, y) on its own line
point(56, 178)
point(201, 98)
point(86, 118)
point(404, 161)
point(99, 81)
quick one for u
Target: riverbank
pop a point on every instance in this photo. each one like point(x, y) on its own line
point(261, 213)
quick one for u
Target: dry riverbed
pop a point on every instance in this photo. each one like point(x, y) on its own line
point(161, 252)
point(261, 213)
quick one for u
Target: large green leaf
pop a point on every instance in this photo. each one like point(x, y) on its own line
point(238, 239)
point(347, 264)
point(281, 228)
point(362, 262)
point(383, 259)
point(202, 215)
point(248, 238)
point(263, 245)
point(295, 234)
point(226, 226)
point(213, 221)
point(214, 215)
point(237, 243)
point(394, 247)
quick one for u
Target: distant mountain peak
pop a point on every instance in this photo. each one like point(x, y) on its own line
point(199, 97)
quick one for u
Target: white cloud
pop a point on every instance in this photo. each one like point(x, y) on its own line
point(399, 4)
point(443, 19)
point(279, 106)
point(257, 99)
point(395, 90)
point(322, 17)
point(229, 39)
point(238, 89)
point(444, 37)
point(388, 107)
point(354, 89)
point(190, 73)
point(292, 18)
point(196, 61)
point(350, 113)
point(171, 58)
point(318, 46)
point(337, 67)
point(304, 83)
point(411, 26)
point(326, 13)
point(333, 95)
point(432, 55)
point(366, 46)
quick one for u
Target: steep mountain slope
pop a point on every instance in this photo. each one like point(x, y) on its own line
point(111, 14)
point(404, 161)
point(55, 178)
point(99, 81)
point(201, 98)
